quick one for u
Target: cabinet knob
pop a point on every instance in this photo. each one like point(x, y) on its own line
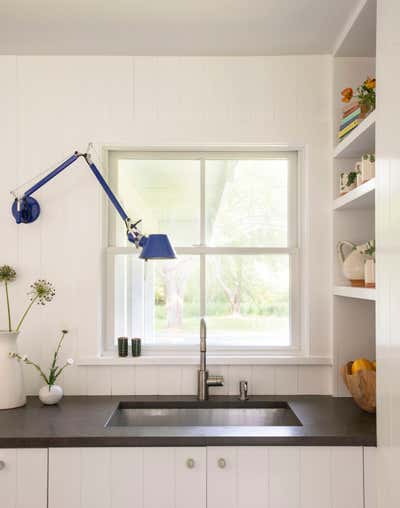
point(2, 464)
point(190, 463)
point(221, 463)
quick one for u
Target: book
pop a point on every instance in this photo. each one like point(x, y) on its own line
point(347, 110)
point(349, 128)
point(349, 118)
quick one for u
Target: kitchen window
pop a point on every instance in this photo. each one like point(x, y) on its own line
point(233, 219)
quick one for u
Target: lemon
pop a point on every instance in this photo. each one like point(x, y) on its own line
point(361, 364)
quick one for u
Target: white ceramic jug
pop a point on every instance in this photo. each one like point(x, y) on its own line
point(353, 263)
point(12, 393)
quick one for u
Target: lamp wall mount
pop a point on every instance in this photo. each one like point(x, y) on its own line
point(26, 209)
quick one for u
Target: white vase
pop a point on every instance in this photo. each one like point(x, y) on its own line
point(12, 392)
point(353, 263)
point(50, 395)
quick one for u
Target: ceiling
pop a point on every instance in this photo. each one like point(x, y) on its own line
point(172, 27)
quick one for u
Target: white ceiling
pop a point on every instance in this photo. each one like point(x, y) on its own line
point(172, 27)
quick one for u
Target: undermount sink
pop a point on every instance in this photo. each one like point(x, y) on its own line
point(183, 414)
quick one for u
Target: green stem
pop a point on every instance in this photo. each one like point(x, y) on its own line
point(57, 351)
point(8, 307)
point(25, 313)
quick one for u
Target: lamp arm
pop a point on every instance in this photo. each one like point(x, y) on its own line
point(132, 232)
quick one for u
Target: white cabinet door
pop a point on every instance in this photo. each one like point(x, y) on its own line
point(285, 477)
point(370, 483)
point(237, 477)
point(23, 479)
point(127, 478)
point(347, 477)
point(158, 477)
point(221, 477)
point(190, 477)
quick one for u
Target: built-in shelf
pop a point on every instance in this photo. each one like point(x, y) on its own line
point(359, 198)
point(360, 140)
point(358, 38)
point(352, 292)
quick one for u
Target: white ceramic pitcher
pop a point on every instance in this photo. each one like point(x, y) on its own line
point(353, 263)
point(12, 393)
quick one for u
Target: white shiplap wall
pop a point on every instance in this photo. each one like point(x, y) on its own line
point(388, 252)
point(53, 105)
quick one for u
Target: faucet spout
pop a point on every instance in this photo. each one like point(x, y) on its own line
point(204, 380)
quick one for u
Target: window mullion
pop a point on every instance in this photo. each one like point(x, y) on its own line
point(202, 236)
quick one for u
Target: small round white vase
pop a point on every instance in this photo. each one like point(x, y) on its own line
point(12, 392)
point(50, 395)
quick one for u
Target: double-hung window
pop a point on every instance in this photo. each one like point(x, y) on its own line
point(233, 220)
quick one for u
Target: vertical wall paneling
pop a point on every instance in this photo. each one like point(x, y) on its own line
point(143, 101)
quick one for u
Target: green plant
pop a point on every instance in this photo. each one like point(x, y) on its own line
point(7, 275)
point(369, 249)
point(41, 292)
point(55, 370)
point(351, 178)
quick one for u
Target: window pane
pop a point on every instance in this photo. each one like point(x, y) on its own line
point(165, 194)
point(247, 203)
point(176, 300)
point(248, 300)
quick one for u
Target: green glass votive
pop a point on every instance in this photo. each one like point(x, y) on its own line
point(136, 347)
point(122, 346)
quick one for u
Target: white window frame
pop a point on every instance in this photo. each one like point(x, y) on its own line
point(295, 247)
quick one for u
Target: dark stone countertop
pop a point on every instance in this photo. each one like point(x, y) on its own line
point(80, 421)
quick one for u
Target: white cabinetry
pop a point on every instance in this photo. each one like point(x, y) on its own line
point(214, 477)
point(370, 472)
point(285, 477)
point(23, 478)
point(127, 477)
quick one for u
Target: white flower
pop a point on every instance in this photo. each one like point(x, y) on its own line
point(70, 361)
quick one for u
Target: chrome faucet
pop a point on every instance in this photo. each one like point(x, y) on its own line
point(204, 380)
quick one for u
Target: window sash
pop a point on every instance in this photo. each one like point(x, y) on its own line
point(202, 250)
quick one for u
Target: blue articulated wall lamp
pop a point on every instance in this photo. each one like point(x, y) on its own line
point(26, 209)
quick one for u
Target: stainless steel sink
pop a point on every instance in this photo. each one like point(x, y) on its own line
point(131, 414)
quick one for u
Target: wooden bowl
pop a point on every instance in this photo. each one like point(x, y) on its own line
point(362, 387)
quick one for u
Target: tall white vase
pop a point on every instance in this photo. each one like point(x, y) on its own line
point(12, 392)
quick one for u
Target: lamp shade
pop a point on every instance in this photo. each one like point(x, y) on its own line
point(157, 247)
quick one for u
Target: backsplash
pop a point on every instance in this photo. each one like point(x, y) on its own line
point(182, 380)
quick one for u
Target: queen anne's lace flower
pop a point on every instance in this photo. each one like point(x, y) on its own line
point(42, 291)
point(7, 273)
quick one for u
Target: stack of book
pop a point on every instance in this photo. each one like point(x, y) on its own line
point(351, 117)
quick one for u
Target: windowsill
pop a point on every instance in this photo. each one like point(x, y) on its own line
point(211, 360)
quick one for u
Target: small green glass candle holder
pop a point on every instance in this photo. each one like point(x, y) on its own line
point(136, 347)
point(122, 347)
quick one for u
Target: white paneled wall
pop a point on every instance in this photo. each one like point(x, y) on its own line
point(182, 380)
point(53, 105)
point(388, 253)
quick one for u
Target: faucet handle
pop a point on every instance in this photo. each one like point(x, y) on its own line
point(215, 380)
point(243, 390)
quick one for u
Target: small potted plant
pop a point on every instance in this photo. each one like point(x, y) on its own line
point(12, 393)
point(365, 94)
point(50, 393)
point(369, 265)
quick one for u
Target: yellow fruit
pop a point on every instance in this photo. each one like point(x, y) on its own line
point(374, 364)
point(361, 364)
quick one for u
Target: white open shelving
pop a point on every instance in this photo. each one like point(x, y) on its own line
point(353, 308)
point(354, 292)
point(360, 140)
point(362, 197)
